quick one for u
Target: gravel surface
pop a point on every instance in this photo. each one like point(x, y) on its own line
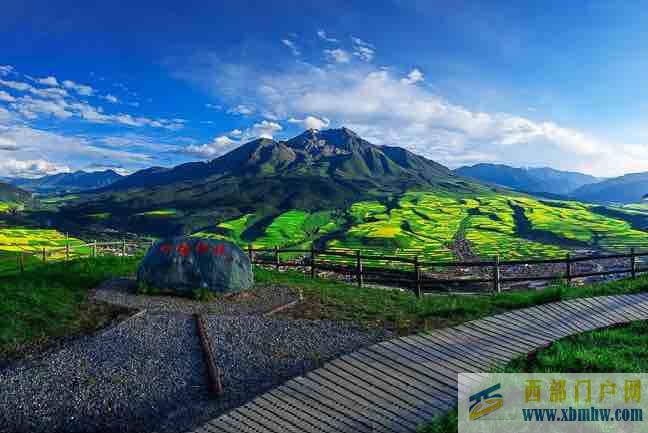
point(122, 380)
point(148, 374)
point(258, 300)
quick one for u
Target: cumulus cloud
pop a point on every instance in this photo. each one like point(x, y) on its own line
point(384, 107)
point(30, 168)
point(111, 98)
point(293, 47)
point(222, 144)
point(218, 146)
point(8, 145)
point(338, 55)
point(81, 89)
point(6, 70)
point(16, 85)
point(363, 50)
point(4, 96)
point(413, 77)
point(48, 81)
point(311, 122)
point(322, 35)
point(241, 110)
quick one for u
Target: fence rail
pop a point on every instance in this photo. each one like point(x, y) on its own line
point(404, 272)
point(425, 277)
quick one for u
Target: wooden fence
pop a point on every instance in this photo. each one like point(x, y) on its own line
point(69, 251)
point(426, 277)
point(414, 274)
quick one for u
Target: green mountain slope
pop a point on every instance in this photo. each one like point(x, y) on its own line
point(317, 170)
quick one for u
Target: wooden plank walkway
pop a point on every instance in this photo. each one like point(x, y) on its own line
point(399, 385)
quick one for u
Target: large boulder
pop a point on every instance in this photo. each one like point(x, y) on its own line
point(182, 265)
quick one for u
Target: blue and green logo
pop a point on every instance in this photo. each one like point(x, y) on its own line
point(485, 402)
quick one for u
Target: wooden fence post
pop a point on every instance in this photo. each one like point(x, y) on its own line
point(497, 287)
point(633, 263)
point(94, 248)
point(359, 270)
point(312, 257)
point(276, 258)
point(44, 255)
point(417, 276)
point(67, 252)
point(22, 262)
point(123, 247)
point(250, 253)
point(568, 269)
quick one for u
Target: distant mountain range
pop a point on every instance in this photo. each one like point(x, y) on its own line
point(10, 193)
point(630, 188)
point(545, 179)
point(68, 182)
point(325, 169)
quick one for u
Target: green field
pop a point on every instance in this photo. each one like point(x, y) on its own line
point(159, 213)
point(430, 225)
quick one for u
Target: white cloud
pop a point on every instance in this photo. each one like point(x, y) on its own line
point(111, 98)
point(218, 146)
point(30, 168)
point(311, 122)
point(32, 108)
point(264, 129)
point(6, 70)
point(48, 81)
point(4, 96)
point(214, 106)
point(322, 35)
point(338, 55)
point(81, 89)
point(293, 47)
point(16, 85)
point(382, 106)
point(242, 110)
point(413, 77)
point(222, 144)
point(364, 50)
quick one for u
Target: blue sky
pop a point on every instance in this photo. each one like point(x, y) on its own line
point(137, 84)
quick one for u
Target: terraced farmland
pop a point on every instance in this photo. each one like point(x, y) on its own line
point(575, 221)
point(436, 226)
point(33, 240)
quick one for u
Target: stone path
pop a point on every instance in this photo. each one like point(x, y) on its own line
point(399, 385)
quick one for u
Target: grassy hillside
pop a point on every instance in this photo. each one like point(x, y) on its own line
point(442, 226)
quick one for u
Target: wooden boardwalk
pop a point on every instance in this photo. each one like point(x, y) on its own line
point(402, 384)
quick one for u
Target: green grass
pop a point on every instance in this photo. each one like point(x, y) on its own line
point(402, 311)
point(159, 213)
point(296, 228)
point(620, 349)
point(50, 301)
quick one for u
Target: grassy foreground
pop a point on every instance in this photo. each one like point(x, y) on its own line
point(403, 312)
point(51, 301)
point(622, 349)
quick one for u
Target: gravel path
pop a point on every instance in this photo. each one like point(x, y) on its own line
point(258, 300)
point(148, 373)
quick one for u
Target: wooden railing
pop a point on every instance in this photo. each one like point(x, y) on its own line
point(69, 251)
point(409, 273)
point(424, 277)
